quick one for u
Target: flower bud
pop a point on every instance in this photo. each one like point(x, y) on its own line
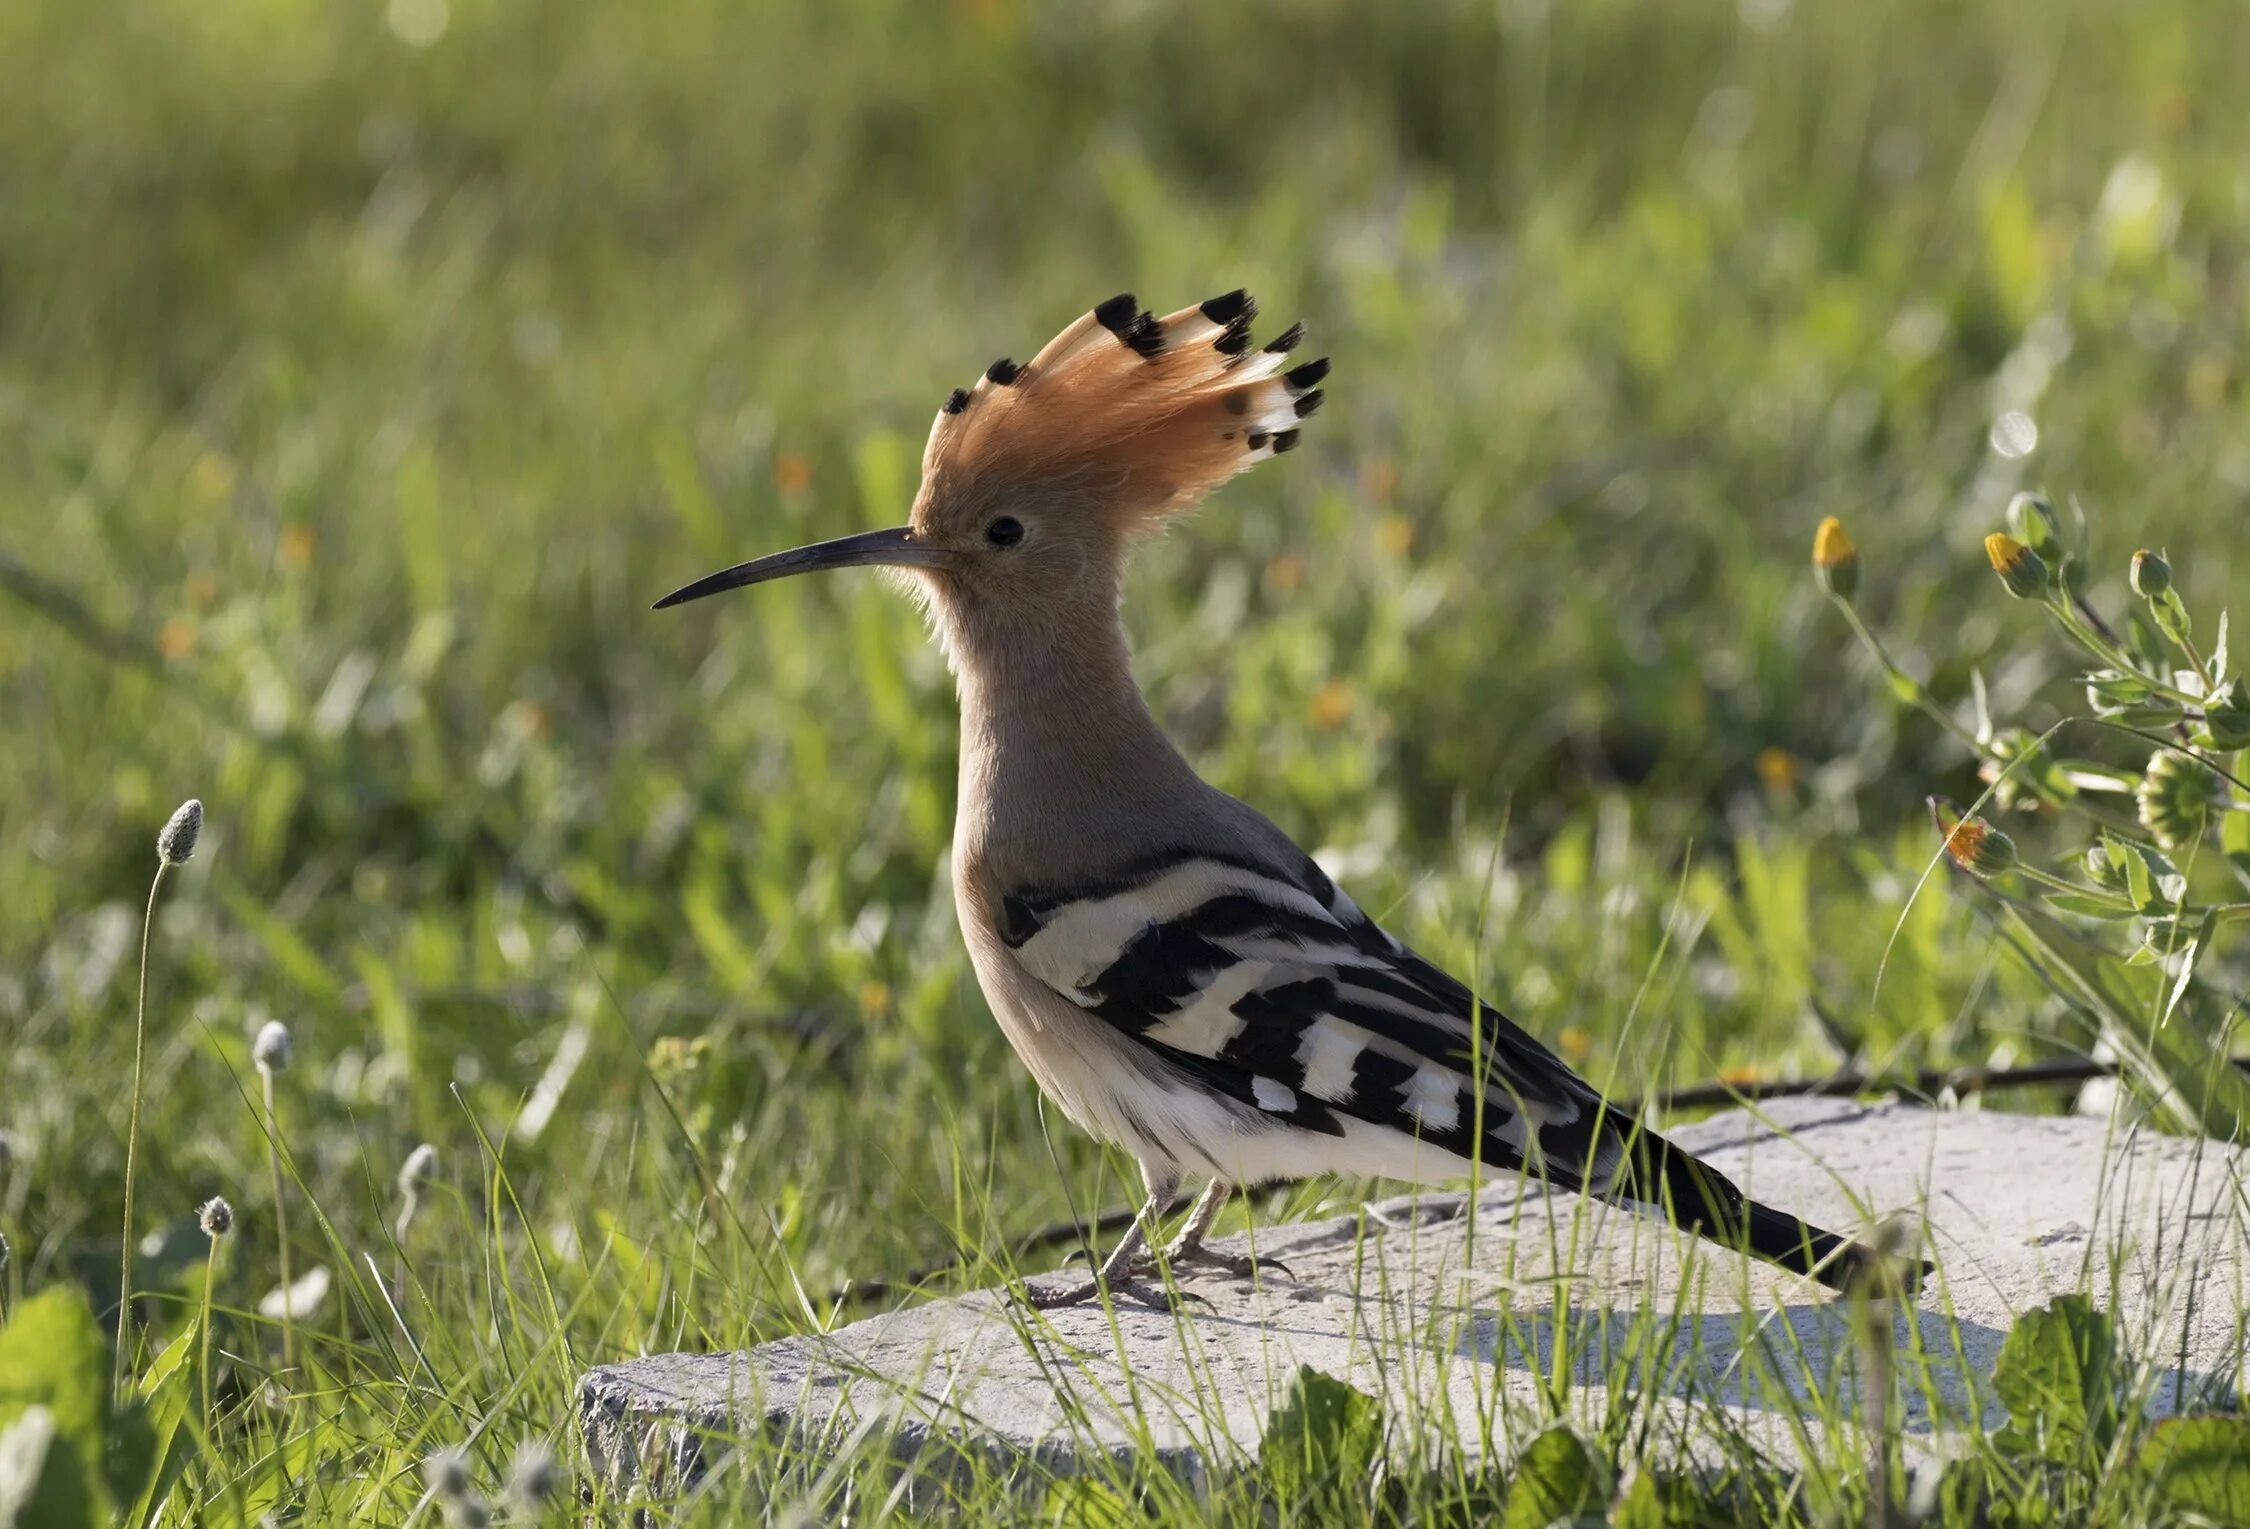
point(272, 1049)
point(2151, 575)
point(2031, 520)
point(176, 844)
point(2179, 799)
point(2020, 569)
point(533, 1479)
point(1977, 846)
point(2103, 871)
point(216, 1217)
point(1835, 560)
point(447, 1472)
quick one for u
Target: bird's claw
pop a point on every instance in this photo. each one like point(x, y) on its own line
point(1240, 1265)
point(1133, 1283)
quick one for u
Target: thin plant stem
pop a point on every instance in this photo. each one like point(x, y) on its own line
point(1875, 1352)
point(203, 1363)
point(280, 1228)
point(133, 1130)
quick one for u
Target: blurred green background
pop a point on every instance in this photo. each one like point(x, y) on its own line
point(366, 369)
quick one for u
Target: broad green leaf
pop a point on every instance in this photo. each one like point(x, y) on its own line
point(2199, 1468)
point(28, 1447)
point(1664, 1500)
point(168, 1362)
point(1557, 1481)
point(1323, 1434)
point(53, 1357)
point(167, 1391)
point(2057, 1377)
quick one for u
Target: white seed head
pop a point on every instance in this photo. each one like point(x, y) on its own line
point(176, 844)
point(271, 1050)
point(447, 1473)
point(467, 1511)
point(216, 1217)
point(532, 1478)
point(418, 1169)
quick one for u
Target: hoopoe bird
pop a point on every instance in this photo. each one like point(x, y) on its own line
point(1178, 976)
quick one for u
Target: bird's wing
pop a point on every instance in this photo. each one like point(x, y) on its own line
point(1272, 987)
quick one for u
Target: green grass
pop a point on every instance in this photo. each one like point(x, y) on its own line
point(355, 399)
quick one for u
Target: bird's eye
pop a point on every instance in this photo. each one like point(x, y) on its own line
point(1004, 532)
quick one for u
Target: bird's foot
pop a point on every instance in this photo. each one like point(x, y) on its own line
point(1240, 1265)
point(1133, 1282)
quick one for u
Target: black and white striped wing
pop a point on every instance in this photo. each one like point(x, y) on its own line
point(1274, 989)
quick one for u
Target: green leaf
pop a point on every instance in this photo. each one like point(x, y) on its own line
point(53, 1358)
point(1324, 1435)
point(2188, 957)
point(2170, 1064)
point(1663, 1500)
point(1557, 1481)
point(2234, 838)
point(2057, 1376)
point(2090, 905)
point(2137, 880)
point(1092, 1503)
point(2171, 615)
point(2199, 1468)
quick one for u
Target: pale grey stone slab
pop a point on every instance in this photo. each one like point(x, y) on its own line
point(1452, 1316)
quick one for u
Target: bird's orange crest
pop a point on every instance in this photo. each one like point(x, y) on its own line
point(1134, 416)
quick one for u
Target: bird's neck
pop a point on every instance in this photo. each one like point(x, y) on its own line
point(1059, 752)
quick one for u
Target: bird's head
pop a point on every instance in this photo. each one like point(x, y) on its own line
point(1037, 480)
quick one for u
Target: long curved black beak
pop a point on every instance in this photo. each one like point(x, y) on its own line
point(894, 548)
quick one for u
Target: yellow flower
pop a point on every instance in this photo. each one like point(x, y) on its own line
point(1777, 768)
point(792, 473)
point(1976, 845)
point(1835, 560)
point(1331, 705)
point(2021, 570)
point(1573, 1043)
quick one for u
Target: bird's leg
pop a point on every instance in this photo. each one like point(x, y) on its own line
point(1131, 1257)
point(1187, 1250)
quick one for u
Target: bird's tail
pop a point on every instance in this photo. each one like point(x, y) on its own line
point(1700, 1199)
